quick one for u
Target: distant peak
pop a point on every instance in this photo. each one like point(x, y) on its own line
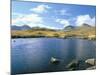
point(69, 27)
point(85, 24)
point(25, 25)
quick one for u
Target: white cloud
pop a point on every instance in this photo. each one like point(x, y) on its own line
point(63, 22)
point(64, 12)
point(30, 19)
point(85, 19)
point(33, 20)
point(40, 8)
point(46, 26)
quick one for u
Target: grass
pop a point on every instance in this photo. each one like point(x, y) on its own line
point(84, 33)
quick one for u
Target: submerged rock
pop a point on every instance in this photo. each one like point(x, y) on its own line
point(90, 61)
point(14, 41)
point(54, 60)
point(91, 68)
point(88, 64)
point(72, 65)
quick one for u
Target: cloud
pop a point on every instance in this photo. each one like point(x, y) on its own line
point(40, 8)
point(64, 12)
point(63, 22)
point(33, 20)
point(30, 19)
point(16, 15)
point(85, 19)
point(46, 26)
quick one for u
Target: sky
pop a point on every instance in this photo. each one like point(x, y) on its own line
point(51, 15)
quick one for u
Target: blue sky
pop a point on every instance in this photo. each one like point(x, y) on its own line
point(51, 15)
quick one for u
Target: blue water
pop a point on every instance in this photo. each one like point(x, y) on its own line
point(32, 55)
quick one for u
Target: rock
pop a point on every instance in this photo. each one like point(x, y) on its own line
point(90, 61)
point(91, 68)
point(14, 41)
point(54, 60)
point(72, 65)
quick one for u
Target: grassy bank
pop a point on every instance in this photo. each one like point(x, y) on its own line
point(77, 33)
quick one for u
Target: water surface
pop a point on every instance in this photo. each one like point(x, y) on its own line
point(31, 55)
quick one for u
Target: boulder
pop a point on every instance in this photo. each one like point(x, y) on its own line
point(72, 65)
point(54, 60)
point(91, 68)
point(90, 61)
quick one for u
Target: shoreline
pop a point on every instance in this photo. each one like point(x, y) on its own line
point(54, 37)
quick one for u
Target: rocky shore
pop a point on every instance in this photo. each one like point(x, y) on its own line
point(88, 64)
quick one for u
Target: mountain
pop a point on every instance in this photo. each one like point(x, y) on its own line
point(24, 27)
point(43, 29)
point(68, 28)
point(14, 27)
point(85, 25)
point(84, 29)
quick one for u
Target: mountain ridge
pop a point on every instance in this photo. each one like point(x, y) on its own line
point(24, 27)
point(67, 28)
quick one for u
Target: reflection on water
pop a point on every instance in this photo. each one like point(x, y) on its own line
point(33, 54)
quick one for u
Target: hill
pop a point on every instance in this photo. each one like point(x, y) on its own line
point(24, 27)
point(68, 28)
point(84, 31)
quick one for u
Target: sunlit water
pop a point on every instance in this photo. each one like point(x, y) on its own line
point(33, 55)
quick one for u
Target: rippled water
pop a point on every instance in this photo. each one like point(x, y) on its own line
point(33, 55)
